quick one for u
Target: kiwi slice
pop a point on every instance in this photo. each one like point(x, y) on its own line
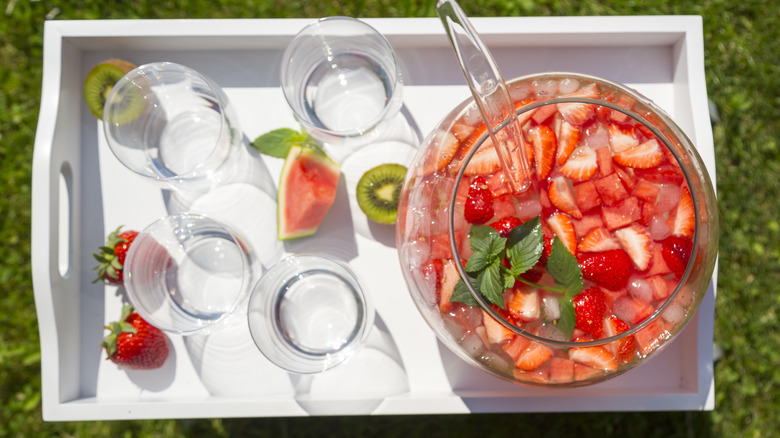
point(378, 192)
point(98, 85)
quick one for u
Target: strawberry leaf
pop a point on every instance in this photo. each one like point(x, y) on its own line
point(277, 143)
point(568, 318)
point(491, 284)
point(462, 294)
point(525, 246)
point(565, 269)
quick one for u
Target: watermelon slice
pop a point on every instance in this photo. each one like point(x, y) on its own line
point(307, 189)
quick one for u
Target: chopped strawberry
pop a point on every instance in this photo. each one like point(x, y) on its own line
point(543, 113)
point(664, 174)
point(544, 146)
point(561, 370)
point(631, 310)
point(479, 203)
point(648, 212)
point(625, 348)
point(627, 177)
point(586, 195)
point(684, 216)
point(449, 278)
point(609, 269)
point(661, 289)
point(646, 190)
point(484, 162)
point(644, 156)
point(636, 241)
point(596, 357)
point(462, 130)
point(581, 165)
point(587, 223)
point(431, 276)
point(568, 138)
point(658, 266)
point(622, 137)
point(525, 304)
point(534, 355)
point(442, 152)
point(562, 197)
point(604, 159)
point(584, 372)
point(498, 184)
point(590, 307)
point(611, 189)
point(598, 240)
point(620, 215)
point(563, 228)
point(505, 225)
point(676, 252)
point(577, 113)
point(496, 332)
point(618, 116)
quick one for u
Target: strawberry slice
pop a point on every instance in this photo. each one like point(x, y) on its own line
point(515, 347)
point(684, 217)
point(562, 226)
point(568, 137)
point(449, 278)
point(544, 146)
point(590, 307)
point(444, 149)
point(596, 357)
point(636, 241)
point(625, 348)
point(676, 252)
point(496, 332)
point(622, 138)
point(581, 165)
point(485, 160)
point(578, 113)
point(534, 355)
point(504, 226)
point(626, 102)
point(598, 240)
point(525, 304)
point(643, 156)
point(609, 269)
point(562, 197)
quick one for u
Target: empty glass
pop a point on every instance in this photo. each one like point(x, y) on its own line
point(187, 273)
point(308, 314)
point(341, 79)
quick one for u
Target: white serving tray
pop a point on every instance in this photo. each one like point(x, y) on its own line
point(80, 193)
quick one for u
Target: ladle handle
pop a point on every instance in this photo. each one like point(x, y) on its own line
point(490, 92)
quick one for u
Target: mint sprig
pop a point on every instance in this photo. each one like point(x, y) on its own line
point(277, 143)
point(523, 248)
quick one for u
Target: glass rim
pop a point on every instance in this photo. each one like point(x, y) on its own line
point(484, 305)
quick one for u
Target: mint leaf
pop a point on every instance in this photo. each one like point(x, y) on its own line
point(568, 317)
point(491, 284)
point(277, 143)
point(461, 293)
point(565, 269)
point(525, 246)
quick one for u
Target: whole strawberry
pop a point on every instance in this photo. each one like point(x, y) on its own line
point(590, 307)
point(609, 269)
point(111, 258)
point(676, 253)
point(479, 203)
point(134, 343)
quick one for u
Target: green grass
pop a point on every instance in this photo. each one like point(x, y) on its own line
point(742, 57)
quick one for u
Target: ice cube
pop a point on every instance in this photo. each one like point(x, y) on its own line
point(674, 314)
point(659, 228)
point(568, 85)
point(640, 289)
point(668, 197)
point(545, 88)
point(551, 308)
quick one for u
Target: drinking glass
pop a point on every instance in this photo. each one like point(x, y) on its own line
point(187, 273)
point(175, 126)
point(308, 313)
point(341, 79)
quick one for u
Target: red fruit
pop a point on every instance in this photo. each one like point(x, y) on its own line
point(485, 161)
point(676, 253)
point(622, 214)
point(636, 241)
point(562, 197)
point(586, 195)
point(684, 217)
point(625, 348)
point(449, 278)
point(598, 240)
point(533, 356)
point(479, 203)
point(442, 153)
point(609, 269)
point(568, 138)
point(562, 226)
point(134, 343)
point(611, 189)
point(581, 165)
point(604, 159)
point(525, 304)
point(596, 357)
point(578, 113)
point(644, 156)
point(544, 146)
point(621, 138)
point(432, 272)
point(646, 190)
point(590, 307)
point(506, 225)
point(111, 258)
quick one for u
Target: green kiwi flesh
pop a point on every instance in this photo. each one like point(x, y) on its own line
point(378, 192)
point(98, 84)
